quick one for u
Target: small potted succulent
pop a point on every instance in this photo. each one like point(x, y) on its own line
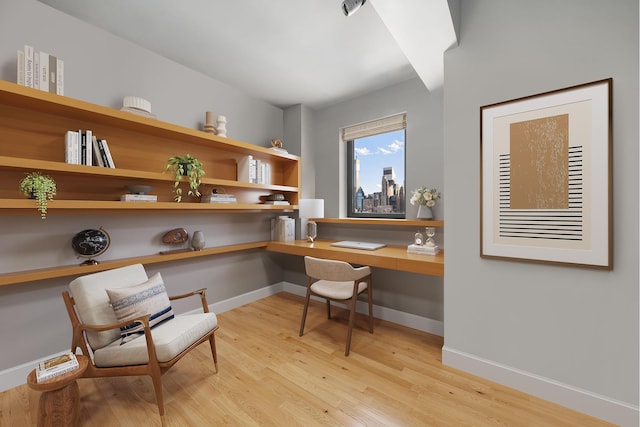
point(190, 167)
point(40, 187)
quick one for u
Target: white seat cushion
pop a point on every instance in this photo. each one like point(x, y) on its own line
point(170, 339)
point(336, 290)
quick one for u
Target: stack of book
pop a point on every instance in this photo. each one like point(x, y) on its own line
point(218, 198)
point(253, 170)
point(84, 148)
point(40, 70)
point(139, 198)
point(55, 366)
point(423, 249)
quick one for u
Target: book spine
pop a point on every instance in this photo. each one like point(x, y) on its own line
point(44, 71)
point(252, 170)
point(53, 67)
point(97, 156)
point(88, 155)
point(68, 146)
point(60, 77)
point(28, 66)
point(103, 153)
point(108, 153)
point(20, 68)
point(243, 165)
point(83, 148)
point(36, 70)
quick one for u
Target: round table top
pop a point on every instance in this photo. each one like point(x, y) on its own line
point(59, 381)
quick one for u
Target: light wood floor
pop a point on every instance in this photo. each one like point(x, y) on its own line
point(271, 377)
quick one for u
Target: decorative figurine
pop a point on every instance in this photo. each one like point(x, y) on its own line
point(221, 128)
point(209, 126)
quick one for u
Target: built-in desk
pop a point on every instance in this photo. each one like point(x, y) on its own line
point(391, 257)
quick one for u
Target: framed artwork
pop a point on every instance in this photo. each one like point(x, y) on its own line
point(545, 180)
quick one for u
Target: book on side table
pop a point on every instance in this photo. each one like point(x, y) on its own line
point(55, 366)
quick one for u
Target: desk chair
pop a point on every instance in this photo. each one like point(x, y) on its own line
point(112, 314)
point(337, 281)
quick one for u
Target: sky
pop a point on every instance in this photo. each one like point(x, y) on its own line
point(377, 152)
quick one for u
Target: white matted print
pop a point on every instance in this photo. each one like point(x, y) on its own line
point(546, 177)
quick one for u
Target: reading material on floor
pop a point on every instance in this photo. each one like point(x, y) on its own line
point(55, 366)
point(368, 246)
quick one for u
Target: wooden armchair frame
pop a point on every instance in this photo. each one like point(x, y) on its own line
point(153, 368)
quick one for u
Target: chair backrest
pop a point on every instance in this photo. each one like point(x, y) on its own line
point(338, 271)
point(92, 301)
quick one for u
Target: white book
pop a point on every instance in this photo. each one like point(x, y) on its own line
point(138, 198)
point(68, 146)
point(97, 156)
point(108, 153)
point(60, 77)
point(55, 366)
point(44, 71)
point(20, 68)
point(243, 166)
point(36, 70)
point(252, 170)
point(53, 70)
point(28, 66)
point(88, 156)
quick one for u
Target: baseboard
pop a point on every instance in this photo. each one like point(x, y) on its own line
point(15, 376)
point(605, 408)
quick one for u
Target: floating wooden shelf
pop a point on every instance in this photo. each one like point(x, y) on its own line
point(72, 270)
point(382, 222)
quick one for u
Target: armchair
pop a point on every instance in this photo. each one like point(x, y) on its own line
point(106, 340)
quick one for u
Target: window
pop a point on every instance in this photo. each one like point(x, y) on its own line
point(376, 168)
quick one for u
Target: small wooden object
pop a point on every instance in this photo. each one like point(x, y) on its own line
point(175, 237)
point(209, 126)
point(59, 401)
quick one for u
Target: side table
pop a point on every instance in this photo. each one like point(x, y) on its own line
point(59, 402)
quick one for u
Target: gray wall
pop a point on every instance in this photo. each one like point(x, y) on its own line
point(102, 68)
point(576, 326)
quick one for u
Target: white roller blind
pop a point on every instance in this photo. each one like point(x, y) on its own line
point(375, 127)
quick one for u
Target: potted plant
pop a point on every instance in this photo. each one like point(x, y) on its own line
point(426, 199)
point(190, 167)
point(39, 187)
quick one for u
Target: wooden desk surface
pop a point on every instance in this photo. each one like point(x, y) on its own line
point(391, 257)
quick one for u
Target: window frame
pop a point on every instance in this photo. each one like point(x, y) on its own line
point(351, 190)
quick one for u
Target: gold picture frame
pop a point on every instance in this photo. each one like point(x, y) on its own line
point(546, 177)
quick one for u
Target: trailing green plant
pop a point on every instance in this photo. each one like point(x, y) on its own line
point(190, 167)
point(41, 187)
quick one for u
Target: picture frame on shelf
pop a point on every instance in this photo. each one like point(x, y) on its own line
point(546, 177)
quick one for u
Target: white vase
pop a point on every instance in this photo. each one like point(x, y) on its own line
point(197, 241)
point(424, 212)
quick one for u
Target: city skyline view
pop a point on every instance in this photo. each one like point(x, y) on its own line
point(377, 152)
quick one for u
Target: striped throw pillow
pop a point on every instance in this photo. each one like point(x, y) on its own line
point(131, 302)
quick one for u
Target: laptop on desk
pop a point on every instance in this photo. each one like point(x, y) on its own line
point(368, 246)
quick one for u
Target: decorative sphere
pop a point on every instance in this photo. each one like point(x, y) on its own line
point(89, 243)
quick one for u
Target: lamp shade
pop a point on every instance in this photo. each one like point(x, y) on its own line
point(311, 208)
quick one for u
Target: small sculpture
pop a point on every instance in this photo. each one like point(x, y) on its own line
point(175, 236)
point(276, 143)
point(221, 128)
point(209, 126)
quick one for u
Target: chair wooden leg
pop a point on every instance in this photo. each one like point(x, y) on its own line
point(214, 353)
point(352, 316)
point(328, 309)
point(304, 311)
point(156, 377)
point(370, 301)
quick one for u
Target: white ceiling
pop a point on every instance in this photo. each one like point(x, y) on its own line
point(286, 52)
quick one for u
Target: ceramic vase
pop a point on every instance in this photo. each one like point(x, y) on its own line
point(197, 241)
point(424, 212)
